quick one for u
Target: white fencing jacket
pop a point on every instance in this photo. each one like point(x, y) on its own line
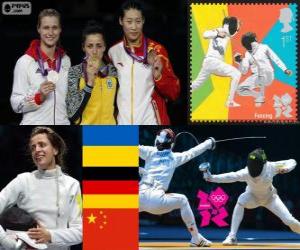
point(261, 186)
point(37, 193)
point(260, 60)
point(160, 165)
point(217, 45)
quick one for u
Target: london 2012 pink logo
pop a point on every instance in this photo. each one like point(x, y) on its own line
point(212, 207)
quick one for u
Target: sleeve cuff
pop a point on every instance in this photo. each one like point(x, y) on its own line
point(38, 98)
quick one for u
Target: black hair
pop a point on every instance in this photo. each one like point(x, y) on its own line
point(131, 4)
point(92, 27)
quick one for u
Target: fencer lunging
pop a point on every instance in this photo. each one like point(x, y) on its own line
point(160, 164)
point(213, 62)
point(258, 58)
point(258, 174)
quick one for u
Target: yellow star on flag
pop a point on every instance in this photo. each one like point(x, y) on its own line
point(92, 218)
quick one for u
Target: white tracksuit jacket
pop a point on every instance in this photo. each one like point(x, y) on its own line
point(136, 86)
point(27, 81)
point(36, 193)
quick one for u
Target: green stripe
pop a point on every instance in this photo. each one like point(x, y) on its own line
point(197, 56)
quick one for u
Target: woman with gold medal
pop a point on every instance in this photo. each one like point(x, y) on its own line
point(92, 84)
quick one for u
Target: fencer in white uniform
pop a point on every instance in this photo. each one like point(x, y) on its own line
point(28, 191)
point(160, 164)
point(213, 62)
point(50, 196)
point(258, 58)
point(258, 174)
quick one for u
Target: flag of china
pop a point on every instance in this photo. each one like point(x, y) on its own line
point(110, 215)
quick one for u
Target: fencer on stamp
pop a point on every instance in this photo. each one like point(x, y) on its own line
point(243, 62)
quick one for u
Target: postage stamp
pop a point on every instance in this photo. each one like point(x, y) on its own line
point(243, 62)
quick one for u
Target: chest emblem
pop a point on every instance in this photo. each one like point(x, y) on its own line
point(109, 83)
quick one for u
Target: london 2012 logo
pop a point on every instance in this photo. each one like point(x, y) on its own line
point(16, 8)
point(212, 207)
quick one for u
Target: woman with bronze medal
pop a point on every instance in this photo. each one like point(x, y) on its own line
point(145, 74)
point(40, 76)
point(92, 84)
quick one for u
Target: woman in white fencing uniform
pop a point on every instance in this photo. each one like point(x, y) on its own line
point(213, 62)
point(258, 174)
point(258, 58)
point(51, 197)
point(160, 164)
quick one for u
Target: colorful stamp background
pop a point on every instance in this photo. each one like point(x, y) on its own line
point(207, 102)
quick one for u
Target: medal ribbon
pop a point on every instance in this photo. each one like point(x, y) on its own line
point(41, 63)
point(143, 58)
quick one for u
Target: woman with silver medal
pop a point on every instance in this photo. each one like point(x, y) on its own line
point(40, 76)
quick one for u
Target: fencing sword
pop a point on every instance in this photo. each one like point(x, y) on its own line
point(221, 140)
point(241, 138)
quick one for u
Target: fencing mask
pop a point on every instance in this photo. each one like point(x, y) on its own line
point(17, 221)
point(164, 139)
point(248, 39)
point(232, 23)
point(255, 163)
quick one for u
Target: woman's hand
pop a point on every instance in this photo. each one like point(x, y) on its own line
point(46, 88)
point(154, 60)
point(40, 234)
point(93, 64)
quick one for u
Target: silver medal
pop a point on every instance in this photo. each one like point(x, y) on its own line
point(52, 76)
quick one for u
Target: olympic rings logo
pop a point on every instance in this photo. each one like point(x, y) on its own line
point(218, 197)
